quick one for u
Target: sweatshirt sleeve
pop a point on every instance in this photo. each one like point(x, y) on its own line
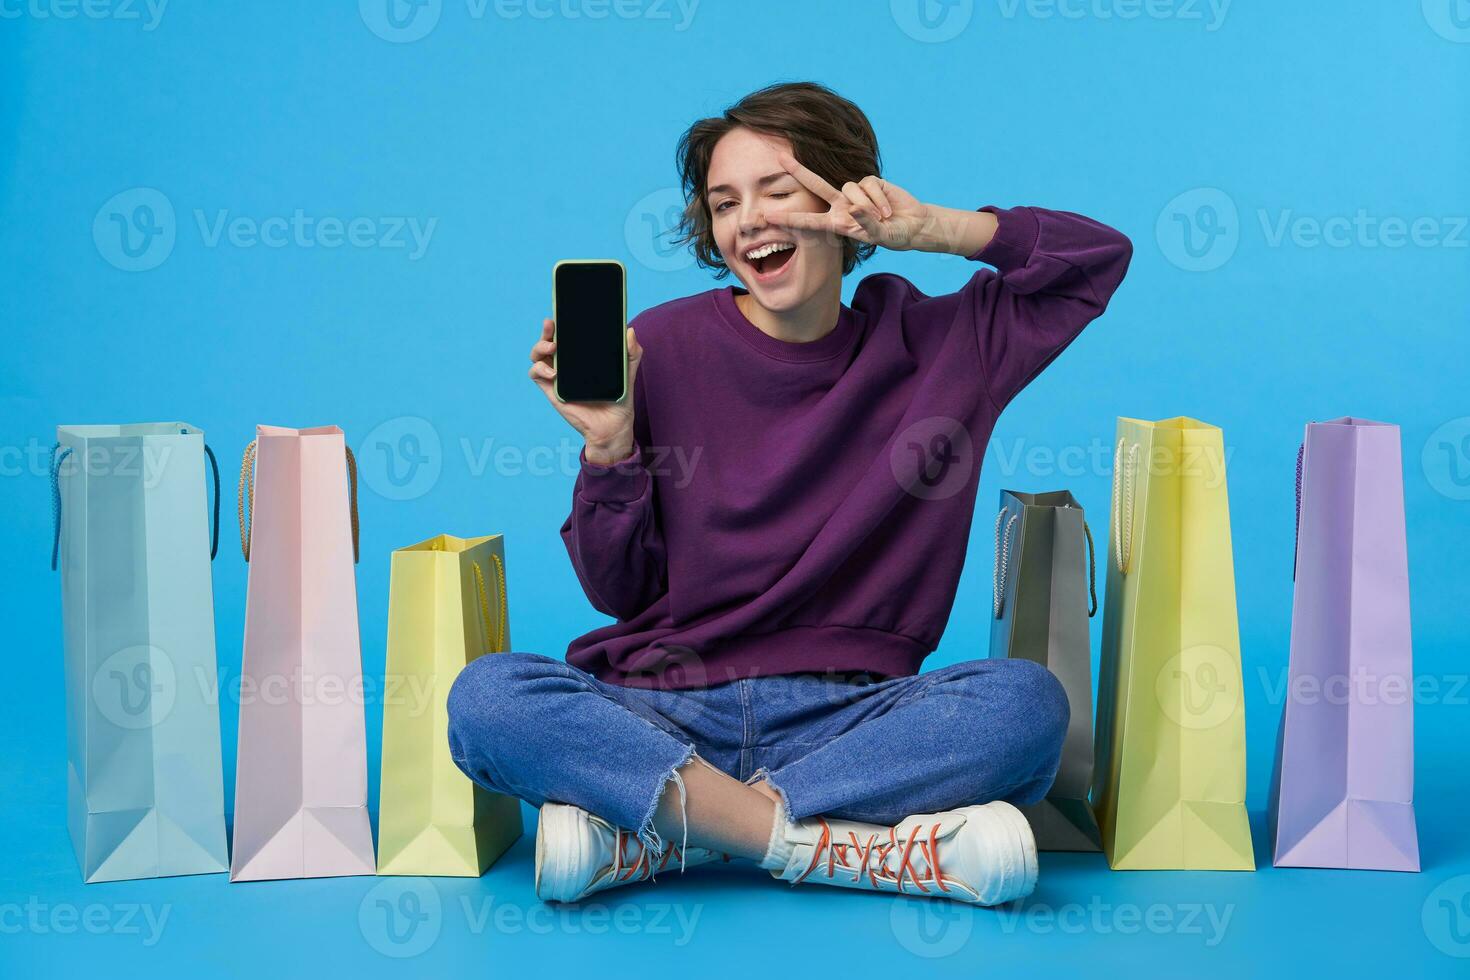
point(1057, 271)
point(612, 536)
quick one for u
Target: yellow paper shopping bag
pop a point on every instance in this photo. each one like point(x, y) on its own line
point(446, 606)
point(1169, 784)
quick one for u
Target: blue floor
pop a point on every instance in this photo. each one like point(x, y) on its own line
point(526, 139)
point(723, 921)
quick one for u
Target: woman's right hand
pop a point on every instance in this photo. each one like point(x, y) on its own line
point(606, 426)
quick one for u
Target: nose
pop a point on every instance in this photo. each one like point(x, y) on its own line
point(752, 220)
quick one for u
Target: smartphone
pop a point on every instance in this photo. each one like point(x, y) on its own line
point(589, 309)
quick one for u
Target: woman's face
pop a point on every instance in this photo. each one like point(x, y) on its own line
point(781, 267)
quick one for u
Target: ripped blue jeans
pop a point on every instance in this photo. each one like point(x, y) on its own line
point(538, 729)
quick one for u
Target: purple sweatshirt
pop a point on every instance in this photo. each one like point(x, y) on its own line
point(805, 507)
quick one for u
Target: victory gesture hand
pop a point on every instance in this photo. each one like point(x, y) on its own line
point(872, 210)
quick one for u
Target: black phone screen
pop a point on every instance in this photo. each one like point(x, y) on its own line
point(590, 362)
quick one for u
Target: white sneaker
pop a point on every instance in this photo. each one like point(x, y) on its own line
point(980, 854)
point(578, 854)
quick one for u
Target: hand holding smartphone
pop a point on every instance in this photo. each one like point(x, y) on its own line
point(586, 360)
point(589, 307)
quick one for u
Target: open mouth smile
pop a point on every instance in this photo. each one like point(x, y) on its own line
point(769, 259)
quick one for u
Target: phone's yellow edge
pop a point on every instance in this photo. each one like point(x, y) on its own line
point(556, 382)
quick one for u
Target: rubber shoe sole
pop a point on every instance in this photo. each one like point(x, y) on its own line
point(1022, 882)
point(1011, 850)
point(555, 864)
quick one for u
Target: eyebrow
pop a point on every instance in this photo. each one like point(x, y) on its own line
point(764, 181)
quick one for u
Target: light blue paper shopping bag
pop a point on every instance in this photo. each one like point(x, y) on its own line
point(133, 539)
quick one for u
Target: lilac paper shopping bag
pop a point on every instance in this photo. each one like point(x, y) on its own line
point(301, 776)
point(1343, 791)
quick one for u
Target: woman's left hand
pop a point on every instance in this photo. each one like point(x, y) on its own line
point(871, 210)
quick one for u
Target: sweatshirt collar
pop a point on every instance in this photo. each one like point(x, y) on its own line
point(828, 345)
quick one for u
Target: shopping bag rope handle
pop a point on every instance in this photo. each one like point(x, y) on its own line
point(59, 456)
point(245, 498)
point(494, 643)
point(352, 499)
point(1091, 568)
point(1002, 558)
point(1123, 480)
point(1091, 572)
point(1297, 536)
point(1002, 563)
point(214, 527)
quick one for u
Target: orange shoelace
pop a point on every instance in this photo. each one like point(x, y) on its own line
point(632, 862)
point(872, 858)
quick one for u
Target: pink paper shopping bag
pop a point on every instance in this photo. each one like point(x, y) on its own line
point(301, 773)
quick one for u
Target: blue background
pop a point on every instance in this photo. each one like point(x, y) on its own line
point(532, 138)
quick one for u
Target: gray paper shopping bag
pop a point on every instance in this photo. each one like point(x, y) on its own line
point(1045, 592)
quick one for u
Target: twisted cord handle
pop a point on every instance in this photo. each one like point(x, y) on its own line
point(1123, 481)
point(1091, 568)
point(1091, 572)
point(214, 527)
point(352, 498)
point(1002, 558)
point(1297, 535)
point(58, 456)
point(494, 641)
point(245, 498)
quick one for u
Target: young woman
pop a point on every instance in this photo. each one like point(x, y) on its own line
point(777, 517)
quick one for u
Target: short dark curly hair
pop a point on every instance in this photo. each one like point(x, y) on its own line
point(828, 134)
